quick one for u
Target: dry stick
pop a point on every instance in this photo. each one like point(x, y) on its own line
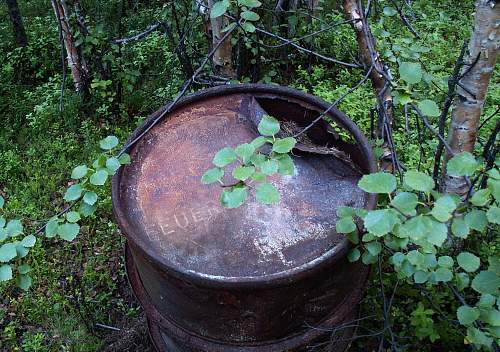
point(298, 47)
point(141, 35)
point(489, 117)
point(289, 41)
point(452, 83)
point(335, 103)
point(405, 20)
point(187, 84)
point(430, 128)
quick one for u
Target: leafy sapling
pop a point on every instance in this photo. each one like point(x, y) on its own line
point(82, 202)
point(265, 156)
point(415, 230)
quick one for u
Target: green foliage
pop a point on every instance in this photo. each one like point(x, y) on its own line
point(255, 164)
point(66, 227)
point(414, 229)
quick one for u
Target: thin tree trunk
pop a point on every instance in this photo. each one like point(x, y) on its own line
point(378, 76)
point(17, 22)
point(472, 88)
point(223, 56)
point(77, 64)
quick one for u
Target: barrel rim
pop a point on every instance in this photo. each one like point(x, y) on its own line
point(278, 278)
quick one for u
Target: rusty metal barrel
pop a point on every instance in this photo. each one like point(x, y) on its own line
point(260, 277)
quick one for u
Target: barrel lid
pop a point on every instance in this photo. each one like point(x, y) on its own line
point(164, 209)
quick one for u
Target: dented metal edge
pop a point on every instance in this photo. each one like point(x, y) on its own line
point(276, 279)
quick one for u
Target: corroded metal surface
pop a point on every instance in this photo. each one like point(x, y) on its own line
point(252, 275)
point(332, 334)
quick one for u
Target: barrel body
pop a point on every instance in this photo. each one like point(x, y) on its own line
point(257, 278)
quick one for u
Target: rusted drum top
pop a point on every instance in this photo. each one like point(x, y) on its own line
point(185, 243)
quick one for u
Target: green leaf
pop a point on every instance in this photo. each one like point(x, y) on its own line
point(429, 108)
point(258, 177)
point(486, 301)
point(379, 182)
point(5, 272)
point(486, 282)
point(373, 247)
point(284, 145)
point(389, 11)
point(74, 192)
point(7, 252)
point(410, 72)
point(493, 215)
point(460, 228)
point(219, 8)
point(24, 282)
point(468, 261)
point(224, 157)
point(266, 193)
point(23, 269)
point(477, 220)
point(481, 197)
point(249, 3)
point(268, 126)
point(90, 198)
point(211, 176)
point(79, 172)
point(467, 315)
point(2, 202)
point(421, 277)
point(51, 228)
point(68, 231)
point(419, 181)
point(108, 143)
point(353, 237)
point(250, 16)
point(86, 209)
point(478, 337)
point(415, 258)
point(258, 142)
point(345, 225)
point(462, 164)
point(443, 208)
point(242, 173)
point(343, 212)
point(381, 222)
point(233, 197)
point(258, 159)
point(245, 151)
point(99, 177)
point(445, 261)
point(14, 228)
point(3, 234)
point(269, 167)
point(493, 317)
point(28, 241)
point(405, 202)
point(443, 275)
point(113, 164)
point(463, 281)
point(353, 255)
point(73, 216)
point(286, 165)
point(437, 233)
point(2, 222)
point(21, 250)
point(100, 162)
point(248, 27)
point(124, 159)
point(368, 259)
